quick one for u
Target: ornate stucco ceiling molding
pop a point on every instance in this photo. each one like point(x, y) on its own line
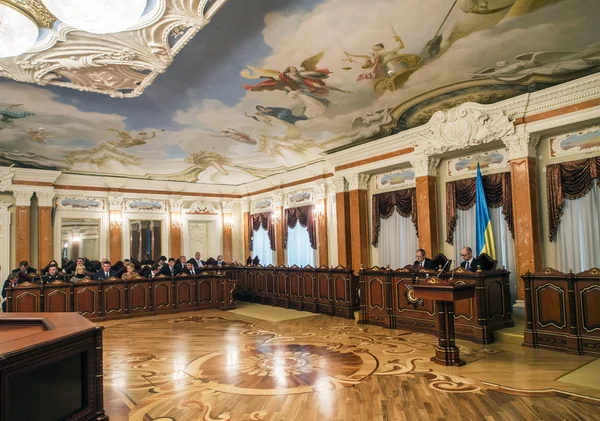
point(121, 64)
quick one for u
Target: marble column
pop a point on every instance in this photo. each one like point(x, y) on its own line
point(322, 241)
point(246, 229)
point(45, 244)
point(425, 168)
point(342, 210)
point(116, 228)
point(227, 231)
point(279, 227)
point(23, 216)
point(526, 211)
point(176, 220)
point(359, 220)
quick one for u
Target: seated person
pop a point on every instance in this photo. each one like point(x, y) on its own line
point(50, 263)
point(469, 262)
point(423, 261)
point(154, 271)
point(130, 272)
point(255, 261)
point(80, 273)
point(14, 278)
point(180, 264)
point(52, 275)
point(170, 269)
point(219, 261)
point(162, 260)
point(197, 261)
point(105, 272)
point(24, 267)
point(249, 261)
point(189, 269)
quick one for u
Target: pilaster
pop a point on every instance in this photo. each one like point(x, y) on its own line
point(23, 216)
point(279, 227)
point(116, 227)
point(227, 231)
point(427, 203)
point(176, 220)
point(342, 210)
point(359, 220)
point(246, 228)
point(528, 253)
point(320, 213)
point(45, 242)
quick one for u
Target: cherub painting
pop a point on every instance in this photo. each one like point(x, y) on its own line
point(128, 141)
point(307, 78)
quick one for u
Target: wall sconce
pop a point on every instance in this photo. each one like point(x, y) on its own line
point(276, 217)
point(176, 220)
point(227, 220)
point(76, 239)
point(319, 212)
point(116, 220)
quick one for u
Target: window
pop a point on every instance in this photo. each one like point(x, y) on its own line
point(299, 251)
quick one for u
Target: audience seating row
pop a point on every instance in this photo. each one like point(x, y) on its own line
point(119, 298)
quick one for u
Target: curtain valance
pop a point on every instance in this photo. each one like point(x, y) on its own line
point(460, 194)
point(263, 220)
point(568, 180)
point(384, 204)
point(304, 216)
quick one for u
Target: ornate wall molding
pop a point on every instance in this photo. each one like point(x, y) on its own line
point(201, 207)
point(462, 127)
point(227, 207)
point(396, 179)
point(80, 203)
point(301, 197)
point(119, 64)
point(320, 191)
point(145, 205)
point(175, 205)
point(358, 181)
point(45, 198)
point(339, 184)
point(6, 177)
point(582, 142)
point(246, 205)
point(4, 206)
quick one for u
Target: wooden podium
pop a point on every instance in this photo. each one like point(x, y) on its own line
point(445, 294)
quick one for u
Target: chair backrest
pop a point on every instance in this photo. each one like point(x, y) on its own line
point(487, 263)
point(441, 261)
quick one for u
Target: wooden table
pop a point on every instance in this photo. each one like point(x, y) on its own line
point(50, 368)
point(445, 294)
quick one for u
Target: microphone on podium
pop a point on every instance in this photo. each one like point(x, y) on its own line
point(442, 269)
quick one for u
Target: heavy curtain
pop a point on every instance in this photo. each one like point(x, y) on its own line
point(304, 216)
point(465, 235)
point(578, 235)
point(262, 246)
point(261, 220)
point(299, 251)
point(460, 194)
point(568, 180)
point(404, 202)
point(398, 241)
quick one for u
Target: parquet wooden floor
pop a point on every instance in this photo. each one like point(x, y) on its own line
point(220, 366)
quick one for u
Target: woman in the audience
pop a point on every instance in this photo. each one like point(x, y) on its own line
point(131, 273)
point(80, 273)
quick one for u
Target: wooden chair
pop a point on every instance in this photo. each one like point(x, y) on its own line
point(487, 263)
point(441, 261)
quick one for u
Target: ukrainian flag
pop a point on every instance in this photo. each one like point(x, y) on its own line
point(483, 224)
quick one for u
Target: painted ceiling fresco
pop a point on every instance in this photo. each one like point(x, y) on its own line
point(272, 85)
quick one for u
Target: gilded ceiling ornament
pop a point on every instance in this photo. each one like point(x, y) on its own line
point(35, 9)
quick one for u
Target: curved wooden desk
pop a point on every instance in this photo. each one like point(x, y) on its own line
point(50, 368)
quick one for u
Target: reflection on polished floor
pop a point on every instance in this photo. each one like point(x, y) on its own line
point(220, 366)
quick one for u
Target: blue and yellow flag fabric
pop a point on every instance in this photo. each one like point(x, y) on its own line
point(483, 223)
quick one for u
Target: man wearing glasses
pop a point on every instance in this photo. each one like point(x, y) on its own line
point(423, 261)
point(469, 262)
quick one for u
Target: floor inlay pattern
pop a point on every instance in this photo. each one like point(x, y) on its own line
point(218, 366)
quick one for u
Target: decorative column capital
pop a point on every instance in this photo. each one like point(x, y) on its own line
point(339, 184)
point(175, 205)
point(45, 198)
point(246, 205)
point(425, 165)
point(6, 176)
point(521, 145)
point(115, 203)
point(227, 207)
point(23, 196)
point(320, 191)
point(277, 199)
point(358, 181)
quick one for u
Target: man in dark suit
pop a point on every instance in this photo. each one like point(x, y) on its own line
point(469, 262)
point(52, 275)
point(423, 261)
point(14, 278)
point(219, 261)
point(190, 269)
point(197, 260)
point(105, 272)
point(154, 271)
point(24, 267)
point(170, 269)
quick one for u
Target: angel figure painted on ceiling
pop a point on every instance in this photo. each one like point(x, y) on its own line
point(126, 140)
point(307, 78)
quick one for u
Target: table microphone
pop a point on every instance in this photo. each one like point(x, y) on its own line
point(442, 269)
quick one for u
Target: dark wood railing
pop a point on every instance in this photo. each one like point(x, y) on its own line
point(118, 298)
point(387, 299)
point(563, 311)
